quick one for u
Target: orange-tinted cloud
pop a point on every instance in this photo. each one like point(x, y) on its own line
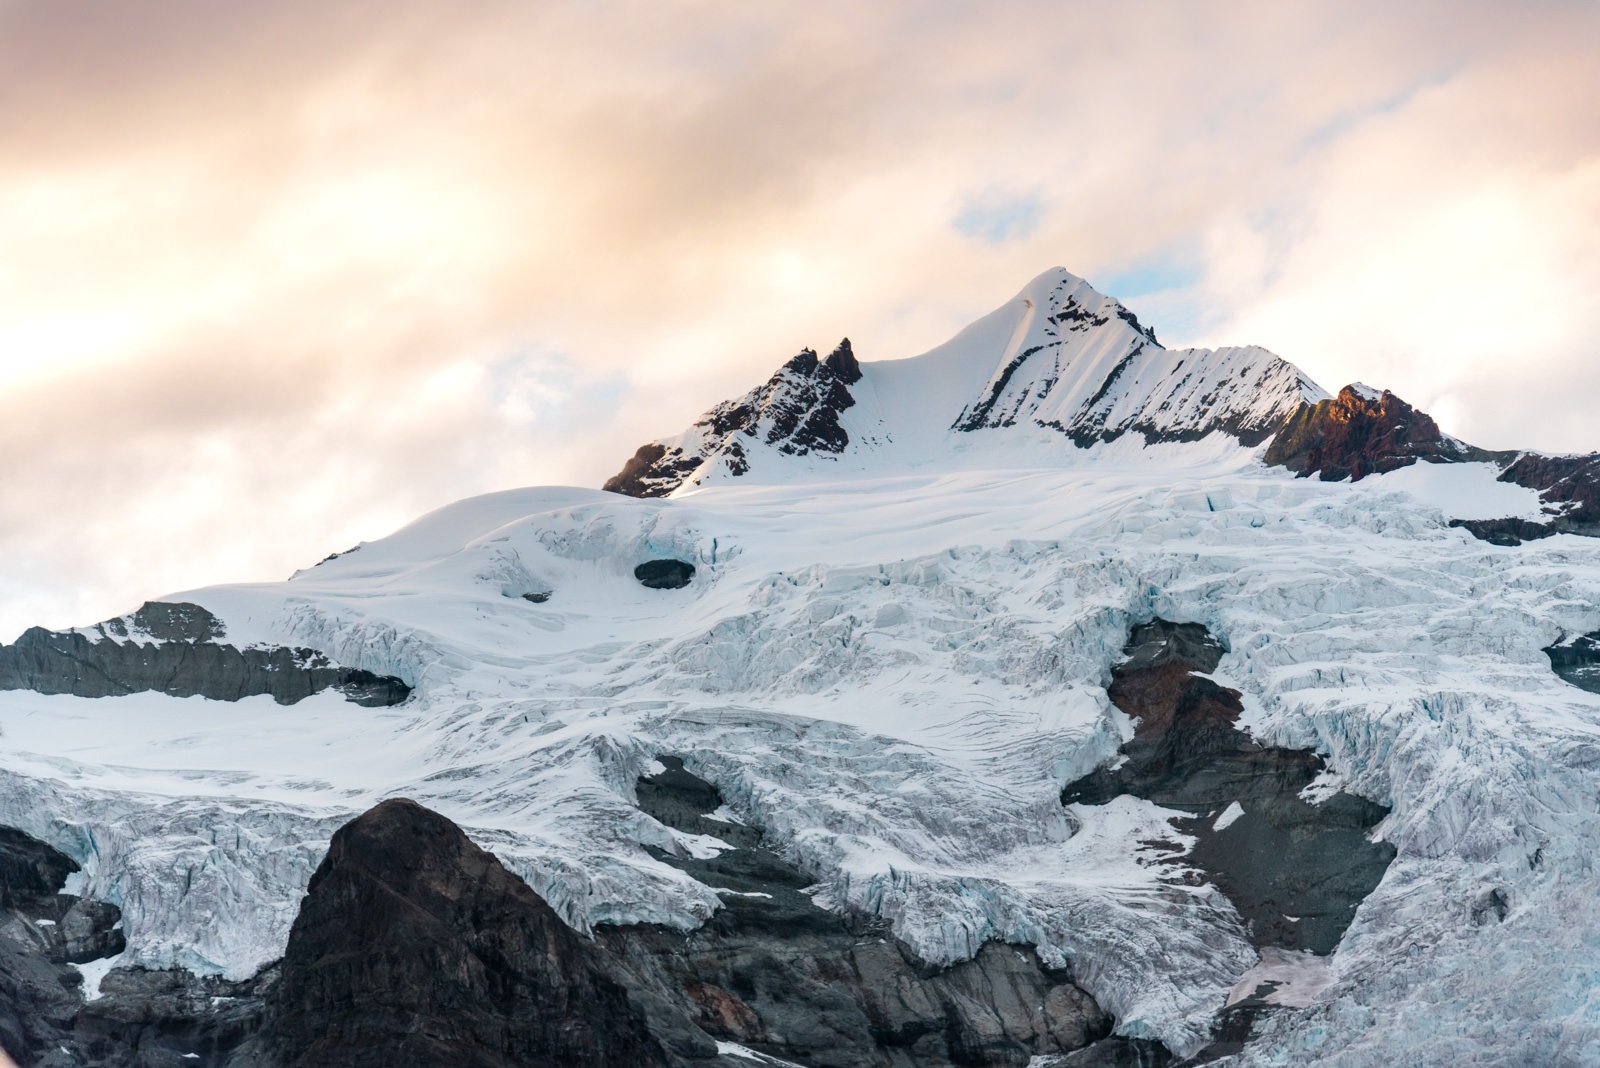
point(275, 277)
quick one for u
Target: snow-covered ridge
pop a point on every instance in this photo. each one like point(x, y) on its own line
point(796, 413)
point(1059, 361)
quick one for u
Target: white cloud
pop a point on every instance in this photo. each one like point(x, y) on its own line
point(277, 277)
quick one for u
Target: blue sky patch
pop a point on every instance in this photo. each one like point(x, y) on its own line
point(1152, 276)
point(997, 217)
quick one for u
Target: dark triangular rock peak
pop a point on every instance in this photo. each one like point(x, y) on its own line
point(1061, 360)
point(796, 413)
point(414, 946)
point(843, 363)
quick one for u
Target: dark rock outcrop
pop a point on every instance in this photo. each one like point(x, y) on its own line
point(31, 872)
point(414, 946)
point(796, 413)
point(664, 574)
point(174, 648)
point(775, 973)
point(136, 1019)
point(1577, 659)
point(1511, 530)
point(173, 1019)
point(654, 471)
point(1569, 486)
point(1295, 869)
point(1361, 432)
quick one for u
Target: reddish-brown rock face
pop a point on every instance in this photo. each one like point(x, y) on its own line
point(1295, 869)
point(1358, 433)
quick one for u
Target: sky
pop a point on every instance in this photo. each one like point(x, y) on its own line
point(278, 277)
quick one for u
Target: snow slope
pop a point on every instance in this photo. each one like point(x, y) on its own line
point(894, 672)
point(1058, 361)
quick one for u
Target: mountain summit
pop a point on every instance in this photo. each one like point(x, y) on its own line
point(1059, 361)
point(1061, 369)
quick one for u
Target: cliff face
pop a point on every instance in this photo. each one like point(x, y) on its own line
point(1294, 865)
point(175, 648)
point(414, 946)
point(796, 413)
point(1358, 433)
point(774, 972)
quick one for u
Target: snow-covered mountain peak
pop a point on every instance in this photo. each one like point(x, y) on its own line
point(982, 645)
point(1059, 361)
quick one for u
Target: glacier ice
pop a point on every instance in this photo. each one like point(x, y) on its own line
point(894, 677)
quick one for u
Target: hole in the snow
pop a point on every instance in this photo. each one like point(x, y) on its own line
point(664, 574)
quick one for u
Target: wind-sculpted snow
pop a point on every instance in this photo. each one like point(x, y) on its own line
point(895, 677)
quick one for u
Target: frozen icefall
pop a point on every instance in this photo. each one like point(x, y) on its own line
point(896, 686)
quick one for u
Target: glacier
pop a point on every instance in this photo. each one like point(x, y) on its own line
point(892, 666)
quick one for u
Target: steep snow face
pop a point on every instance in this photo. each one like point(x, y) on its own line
point(894, 677)
point(1059, 366)
point(1080, 363)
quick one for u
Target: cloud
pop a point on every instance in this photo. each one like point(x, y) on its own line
point(276, 277)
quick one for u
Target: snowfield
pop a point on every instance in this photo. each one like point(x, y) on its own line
point(893, 671)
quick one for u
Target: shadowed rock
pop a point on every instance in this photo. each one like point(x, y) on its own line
point(1577, 659)
point(796, 413)
point(653, 471)
point(173, 648)
point(1569, 486)
point(1294, 869)
point(413, 946)
point(774, 972)
point(43, 1019)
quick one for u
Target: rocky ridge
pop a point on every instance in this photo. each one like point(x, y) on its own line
point(796, 413)
point(1361, 432)
point(1059, 361)
point(1080, 365)
point(176, 649)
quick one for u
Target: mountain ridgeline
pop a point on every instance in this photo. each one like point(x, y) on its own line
point(1069, 367)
